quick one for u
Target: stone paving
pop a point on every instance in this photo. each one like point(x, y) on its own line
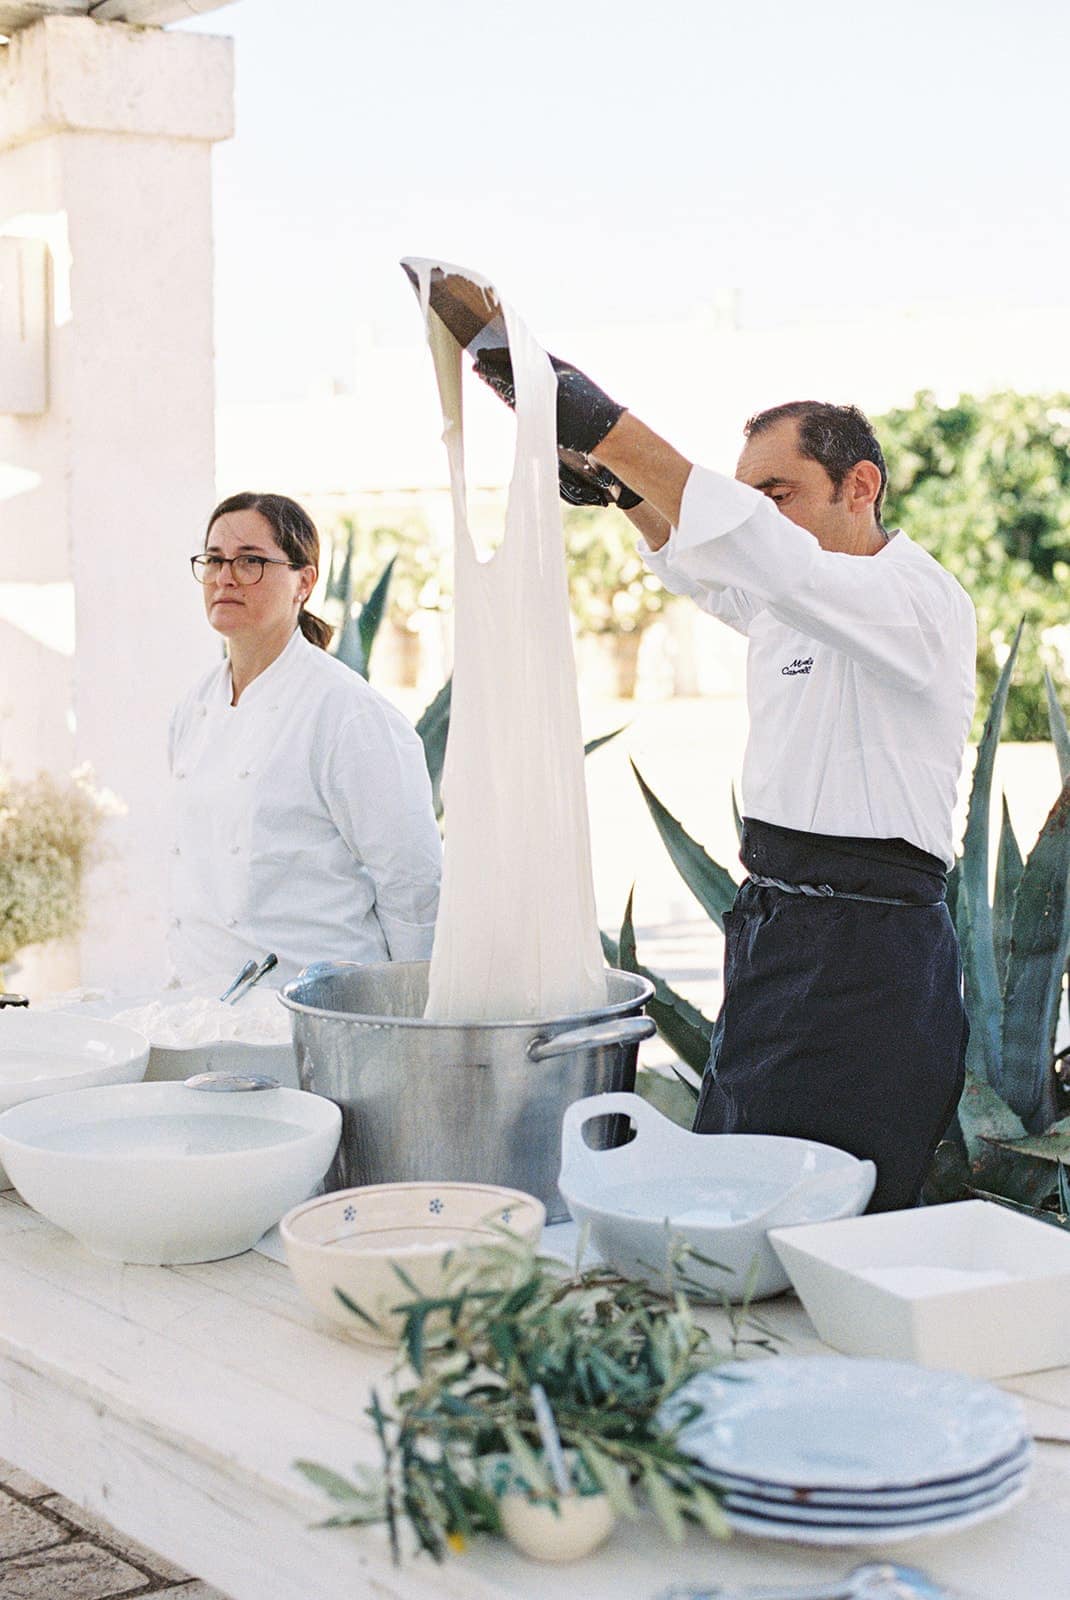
point(50, 1549)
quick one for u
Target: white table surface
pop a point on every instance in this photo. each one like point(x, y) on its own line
point(174, 1401)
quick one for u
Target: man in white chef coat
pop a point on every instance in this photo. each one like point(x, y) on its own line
point(842, 1018)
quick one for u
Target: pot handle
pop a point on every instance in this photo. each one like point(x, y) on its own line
point(650, 1125)
point(621, 1030)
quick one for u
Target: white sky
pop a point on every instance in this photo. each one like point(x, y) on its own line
point(621, 161)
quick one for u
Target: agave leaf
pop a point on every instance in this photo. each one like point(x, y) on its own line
point(1054, 1145)
point(596, 744)
point(954, 882)
point(736, 817)
point(948, 1176)
point(433, 728)
point(1060, 733)
point(988, 1124)
point(673, 1097)
point(712, 886)
point(349, 648)
point(339, 578)
point(681, 1025)
point(983, 989)
point(371, 613)
point(1036, 960)
point(984, 1117)
point(1008, 877)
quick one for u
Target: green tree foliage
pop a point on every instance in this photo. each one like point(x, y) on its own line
point(610, 589)
point(984, 485)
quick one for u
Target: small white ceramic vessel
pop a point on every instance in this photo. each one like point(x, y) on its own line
point(721, 1193)
point(157, 1173)
point(578, 1525)
point(45, 1052)
point(357, 1240)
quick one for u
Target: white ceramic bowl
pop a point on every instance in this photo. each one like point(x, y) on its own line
point(157, 1173)
point(170, 1062)
point(352, 1239)
point(43, 1052)
point(720, 1192)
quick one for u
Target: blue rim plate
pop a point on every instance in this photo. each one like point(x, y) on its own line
point(876, 1499)
point(839, 1423)
point(766, 1527)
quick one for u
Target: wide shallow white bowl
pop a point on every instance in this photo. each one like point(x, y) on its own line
point(172, 1063)
point(157, 1173)
point(43, 1052)
point(360, 1240)
point(719, 1193)
point(971, 1286)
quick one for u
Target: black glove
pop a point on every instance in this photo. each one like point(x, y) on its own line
point(584, 413)
point(581, 482)
point(474, 316)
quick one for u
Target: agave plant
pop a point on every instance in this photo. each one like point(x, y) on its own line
point(1008, 1139)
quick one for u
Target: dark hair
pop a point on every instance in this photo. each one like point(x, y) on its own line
point(296, 536)
point(837, 437)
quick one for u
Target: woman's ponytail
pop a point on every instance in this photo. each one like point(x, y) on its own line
point(315, 630)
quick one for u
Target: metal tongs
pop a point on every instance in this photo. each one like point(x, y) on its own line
point(251, 973)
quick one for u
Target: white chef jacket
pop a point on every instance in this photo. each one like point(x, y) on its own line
point(860, 669)
point(303, 822)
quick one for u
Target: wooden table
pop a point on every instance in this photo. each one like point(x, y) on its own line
point(174, 1400)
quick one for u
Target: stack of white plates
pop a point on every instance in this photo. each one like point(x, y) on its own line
point(828, 1450)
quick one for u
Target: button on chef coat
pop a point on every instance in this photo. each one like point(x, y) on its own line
point(860, 669)
point(303, 822)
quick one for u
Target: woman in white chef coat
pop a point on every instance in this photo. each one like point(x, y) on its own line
point(303, 813)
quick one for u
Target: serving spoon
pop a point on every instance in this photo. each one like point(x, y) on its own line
point(875, 1580)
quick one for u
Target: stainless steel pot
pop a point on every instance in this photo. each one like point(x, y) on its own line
point(477, 1101)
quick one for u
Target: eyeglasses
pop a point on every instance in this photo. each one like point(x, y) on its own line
point(246, 569)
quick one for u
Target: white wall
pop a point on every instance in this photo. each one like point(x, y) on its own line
point(105, 145)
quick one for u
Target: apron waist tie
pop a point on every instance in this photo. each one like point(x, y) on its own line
point(825, 891)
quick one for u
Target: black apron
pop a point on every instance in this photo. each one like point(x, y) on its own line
point(842, 1018)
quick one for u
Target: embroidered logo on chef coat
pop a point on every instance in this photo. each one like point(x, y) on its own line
point(799, 665)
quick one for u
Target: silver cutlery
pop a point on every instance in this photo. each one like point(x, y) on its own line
point(230, 1082)
point(247, 980)
point(876, 1580)
point(246, 972)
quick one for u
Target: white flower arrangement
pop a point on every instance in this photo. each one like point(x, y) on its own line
point(49, 836)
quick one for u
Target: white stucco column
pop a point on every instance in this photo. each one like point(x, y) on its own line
point(105, 145)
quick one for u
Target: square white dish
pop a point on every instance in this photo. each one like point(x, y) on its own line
point(970, 1286)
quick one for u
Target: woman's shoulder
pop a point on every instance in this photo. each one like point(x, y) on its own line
point(339, 685)
point(343, 696)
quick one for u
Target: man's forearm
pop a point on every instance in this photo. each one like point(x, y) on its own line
point(654, 528)
point(650, 466)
